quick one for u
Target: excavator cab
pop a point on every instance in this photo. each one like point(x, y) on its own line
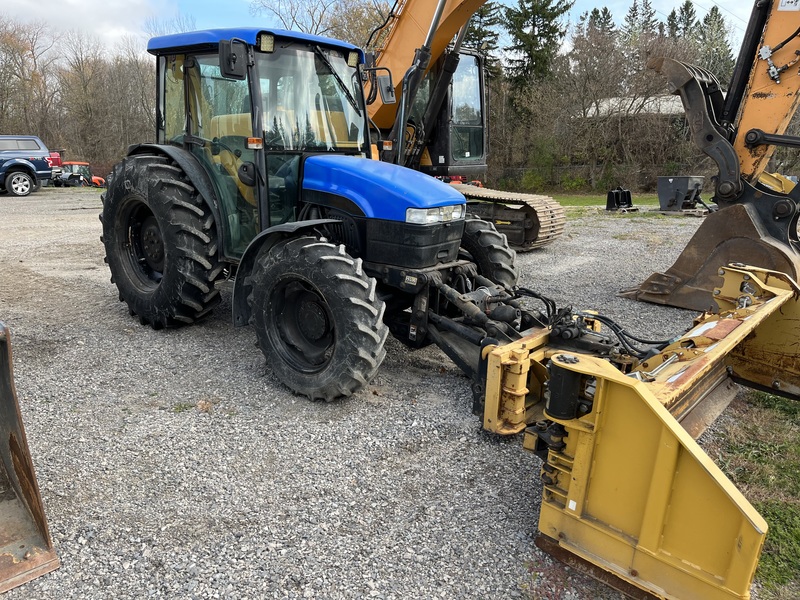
point(457, 147)
point(26, 550)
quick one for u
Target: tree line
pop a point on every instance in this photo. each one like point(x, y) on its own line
point(572, 105)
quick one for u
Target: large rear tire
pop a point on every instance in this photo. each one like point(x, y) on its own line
point(161, 242)
point(489, 250)
point(317, 317)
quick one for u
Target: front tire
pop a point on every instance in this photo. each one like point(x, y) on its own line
point(19, 183)
point(161, 242)
point(317, 317)
point(489, 250)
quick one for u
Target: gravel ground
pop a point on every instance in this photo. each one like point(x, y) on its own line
point(173, 464)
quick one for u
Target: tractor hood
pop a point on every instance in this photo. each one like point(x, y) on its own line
point(381, 190)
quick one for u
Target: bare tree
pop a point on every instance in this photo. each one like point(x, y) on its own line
point(355, 20)
point(86, 101)
point(155, 26)
point(29, 96)
point(308, 16)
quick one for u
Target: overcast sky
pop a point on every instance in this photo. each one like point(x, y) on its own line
point(112, 19)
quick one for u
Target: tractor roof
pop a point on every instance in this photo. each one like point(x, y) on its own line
point(210, 38)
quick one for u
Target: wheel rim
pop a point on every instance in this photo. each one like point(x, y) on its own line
point(302, 327)
point(144, 245)
point(20, 184)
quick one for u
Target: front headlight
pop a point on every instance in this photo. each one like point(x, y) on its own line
point(440, 214)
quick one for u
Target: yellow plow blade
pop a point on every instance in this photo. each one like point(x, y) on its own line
point(26, 550)
point(627, 490)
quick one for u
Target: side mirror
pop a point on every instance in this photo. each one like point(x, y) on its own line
point(383, 82)
point(233, 59)
point(386, 89)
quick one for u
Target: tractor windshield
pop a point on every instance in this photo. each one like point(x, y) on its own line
point(311, 100)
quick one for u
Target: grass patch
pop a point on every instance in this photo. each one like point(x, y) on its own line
point(600, 199)
point(780, 562)
point(760, 452)
point(182, 407)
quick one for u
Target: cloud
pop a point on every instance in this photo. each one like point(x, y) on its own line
point(109, 20)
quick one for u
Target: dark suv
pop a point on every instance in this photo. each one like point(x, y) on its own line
point(24, 163)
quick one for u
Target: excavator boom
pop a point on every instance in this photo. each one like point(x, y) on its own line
point(407, 30)
point(757, 221)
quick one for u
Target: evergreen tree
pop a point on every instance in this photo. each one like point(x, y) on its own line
point(687, 19)
point(648, 23)
point(604, 23)
point(715, 49)
point(631, 24)
point(597, 20)
point(672, 24)
point(537, 31)
point(482, 33)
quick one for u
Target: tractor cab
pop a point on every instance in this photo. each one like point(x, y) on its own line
point(250, 108)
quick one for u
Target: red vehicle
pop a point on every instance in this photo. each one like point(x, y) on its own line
point(75, 173)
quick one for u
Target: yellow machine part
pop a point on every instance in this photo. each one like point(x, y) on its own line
point(635, 495)
point(770, 104)
point(26, 550)
point(776, 182)
point(627, 490)
point(412, 21)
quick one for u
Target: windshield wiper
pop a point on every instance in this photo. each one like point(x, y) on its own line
point(342, 85)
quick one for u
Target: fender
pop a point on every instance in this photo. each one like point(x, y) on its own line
point(264, 240)
point(26, 165)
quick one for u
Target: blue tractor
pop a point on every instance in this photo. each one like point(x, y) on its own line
point(261, 176)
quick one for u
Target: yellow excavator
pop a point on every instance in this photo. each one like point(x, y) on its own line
point(26, 550)
point(440, 124)
point(756, 220)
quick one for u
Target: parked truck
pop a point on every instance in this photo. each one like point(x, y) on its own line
point(25, 162)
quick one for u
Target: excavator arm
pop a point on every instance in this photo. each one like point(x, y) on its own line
point(412, 26)
point(757, 221)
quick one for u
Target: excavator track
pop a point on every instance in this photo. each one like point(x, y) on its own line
point(529, 221)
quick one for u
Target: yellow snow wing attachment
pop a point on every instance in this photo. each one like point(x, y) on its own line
point(627, 490)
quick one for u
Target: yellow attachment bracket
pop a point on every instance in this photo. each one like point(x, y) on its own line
point(514, 383)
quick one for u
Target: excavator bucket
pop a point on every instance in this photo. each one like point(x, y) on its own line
point(26, 550)
point(733, 234)
point(629, 496)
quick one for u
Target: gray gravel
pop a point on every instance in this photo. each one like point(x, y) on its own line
point(172, 464)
